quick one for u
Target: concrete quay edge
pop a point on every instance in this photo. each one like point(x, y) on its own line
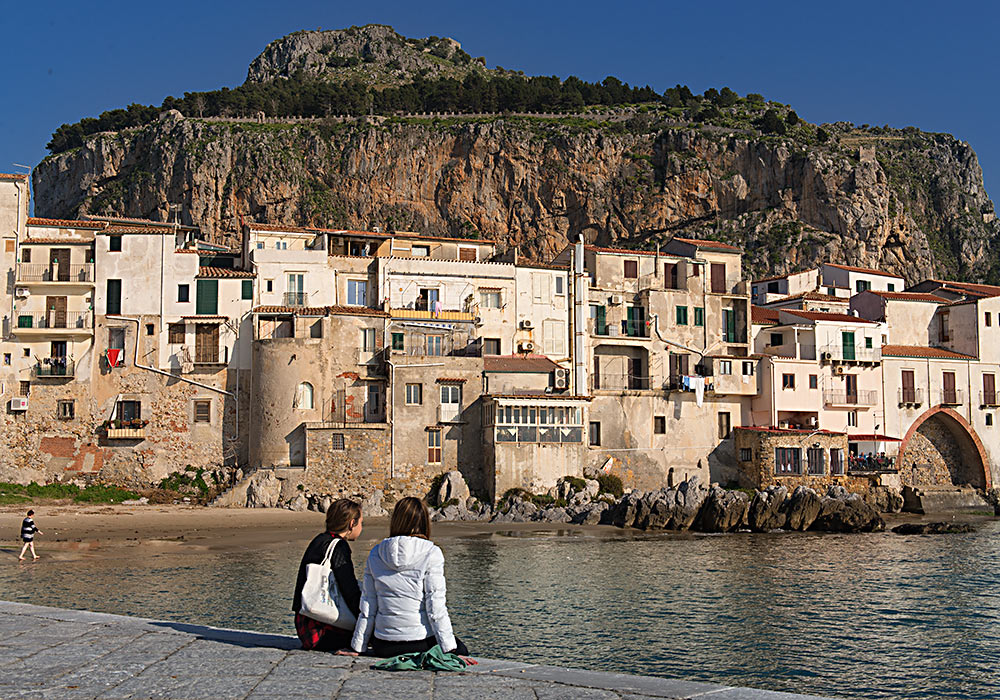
point(57, 653)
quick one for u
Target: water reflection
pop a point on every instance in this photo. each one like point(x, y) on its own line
point(872, 616)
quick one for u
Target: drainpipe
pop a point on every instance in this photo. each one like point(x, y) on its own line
point(179, 377)
point(580, 296)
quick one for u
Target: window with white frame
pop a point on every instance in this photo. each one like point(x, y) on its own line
point(749, 368)
point(489, 298)
point(560, 286)
point(725, 367)
point(414, 394)
point(357, 292)
point(304, 396)
point(540, 293)
point(554, 334)
point(368, 340)
point(852, 419)
point(787, 460)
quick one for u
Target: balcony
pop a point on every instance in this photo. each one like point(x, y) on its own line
point(857, 398)
point(52, 320)
point(950, 397)
point(598, 328)
point(125, 434)
point(621, 382)
point(989, 398)
point(296, 299)
point(848, 353)
point(732, 286)
point(635, 328)
point(29, 273)
point(54, 367)
point(911, 397)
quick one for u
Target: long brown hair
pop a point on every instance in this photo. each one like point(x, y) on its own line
point(410, 517)
point(341, 514)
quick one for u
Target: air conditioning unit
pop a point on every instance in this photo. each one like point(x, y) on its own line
point(22, 292)
point(812, 421)
point(19, 403)
point(477, 321)
point(615, 299)
point(838, 370)
point(526, 325)
point(526, 347)
point(827, 356)
point(561, 378)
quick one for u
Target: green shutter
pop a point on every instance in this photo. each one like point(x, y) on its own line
point(248, 289)
point(682, 315)
point(601, 321)
point(207, 299)
point(114, 304)
point(699, 316)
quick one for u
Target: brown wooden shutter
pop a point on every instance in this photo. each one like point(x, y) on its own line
point(719, 278)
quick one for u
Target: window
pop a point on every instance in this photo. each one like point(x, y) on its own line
point(66, 409)
point(670, 279)
point(128, 410)
point(725, 425)
point(788, 381)
point(868, 343)
point(491, 346)
point(6, 358)
point(989, 419)
point(116, 339)
point(774, 287)
point(434, 344)
point(699, 316)
point(247, 290)
point(729, 326)
point(681, 313)
point(554, 337)
point(595, 434)
point(421, 251)
point(725, 367)
point(489, 299)
point(183, 293)
point(368, 340)
point(269, 285)
point(357, 292)
point(374, 407)
point(280, 245)
point(203, 411)
point(777, 339)
point(813, 381)
point(451, 401)
point(836, 460)
point(434, 446)
point(295, 289)
point(814, 460)
point(660, 425)
point(260, 245)
point(852, 419)
point(150, 329)
point(24, 388)
point(337, 441)
point(540, 288)
point(863, 285)
point(988, 319)
point(746, 454)
point(27, 352)
point(304, 396)
point(748, 369)
point(944, 330)
point(787, 460)
point(631, 269)
point(175, 334)
point(892, 287)
point(25, 254)
point(560, 286)
point(397, 341)
point(206, 300)
point(114, 244)
point(414, 394)
point(114, 297)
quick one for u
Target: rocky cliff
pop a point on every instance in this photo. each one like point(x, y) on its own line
point(751, 173)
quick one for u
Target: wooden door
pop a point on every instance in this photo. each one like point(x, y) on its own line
point(909, 392)
point(56, 307)
point(59, 263)
point(851, 385)
point(467, 254)
point(719, 278)
point(989, 390)
point(948, 393)
point(206, 343)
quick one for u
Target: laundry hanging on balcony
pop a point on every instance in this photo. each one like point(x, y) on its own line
point(115, 356)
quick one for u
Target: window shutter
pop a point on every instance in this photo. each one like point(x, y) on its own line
point(207, 299)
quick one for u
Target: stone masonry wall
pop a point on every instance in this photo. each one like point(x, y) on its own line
point(934, 456)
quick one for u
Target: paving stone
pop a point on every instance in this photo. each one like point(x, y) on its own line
point(162, 688)
point(460, 687)
point(620, 682)
point(757, 694)
point(565, 692)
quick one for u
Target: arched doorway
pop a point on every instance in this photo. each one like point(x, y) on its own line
point(942, 449)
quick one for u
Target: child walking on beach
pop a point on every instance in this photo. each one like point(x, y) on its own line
point(28, 530)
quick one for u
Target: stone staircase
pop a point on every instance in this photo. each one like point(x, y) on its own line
point(943, 499)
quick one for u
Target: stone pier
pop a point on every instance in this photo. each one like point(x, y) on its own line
point(53, 653)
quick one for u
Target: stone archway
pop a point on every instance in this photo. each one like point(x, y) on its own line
point(942, 449)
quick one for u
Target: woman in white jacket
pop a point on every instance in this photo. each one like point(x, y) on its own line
point(403, 608)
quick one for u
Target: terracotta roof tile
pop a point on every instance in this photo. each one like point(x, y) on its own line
point(451, 380)
point(534, 364)
point(56, 241)
point(706, 244)
point(223, 272)
point(984, 289)
point(356, 311)
point(772, 278)
point(13, 176)
point(533, 396)
point(811, 296)
point(872, 437)
point(789, 431)
point(622, 251)
point(867, 270)
point(923, 351)
point(65, 223)
point(759, 314)
point(826, 316)
point(909, 296)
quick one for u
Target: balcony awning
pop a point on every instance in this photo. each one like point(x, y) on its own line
point(871, 437)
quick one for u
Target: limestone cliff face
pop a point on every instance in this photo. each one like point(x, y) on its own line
point(905, 201)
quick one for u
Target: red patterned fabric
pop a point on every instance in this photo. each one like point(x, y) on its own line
point(316, 635)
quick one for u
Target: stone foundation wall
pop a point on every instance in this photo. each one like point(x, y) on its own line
point(758, 472)
point(936, 456)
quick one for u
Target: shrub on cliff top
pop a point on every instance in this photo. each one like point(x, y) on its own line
point(611, 484)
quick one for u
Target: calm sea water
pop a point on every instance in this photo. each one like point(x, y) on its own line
point(864, 616)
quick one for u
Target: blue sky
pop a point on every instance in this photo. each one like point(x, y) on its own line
point(929, 65)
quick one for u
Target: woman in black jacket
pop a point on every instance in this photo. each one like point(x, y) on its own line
point(343, 524)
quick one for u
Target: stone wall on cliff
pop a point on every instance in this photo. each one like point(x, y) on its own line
point(903, 201)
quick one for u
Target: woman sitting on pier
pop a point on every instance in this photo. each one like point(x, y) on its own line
point(343, 525)
point(403, 607)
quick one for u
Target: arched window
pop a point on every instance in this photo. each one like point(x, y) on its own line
point(304, 395)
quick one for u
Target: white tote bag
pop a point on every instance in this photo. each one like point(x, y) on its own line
point(321, 598)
